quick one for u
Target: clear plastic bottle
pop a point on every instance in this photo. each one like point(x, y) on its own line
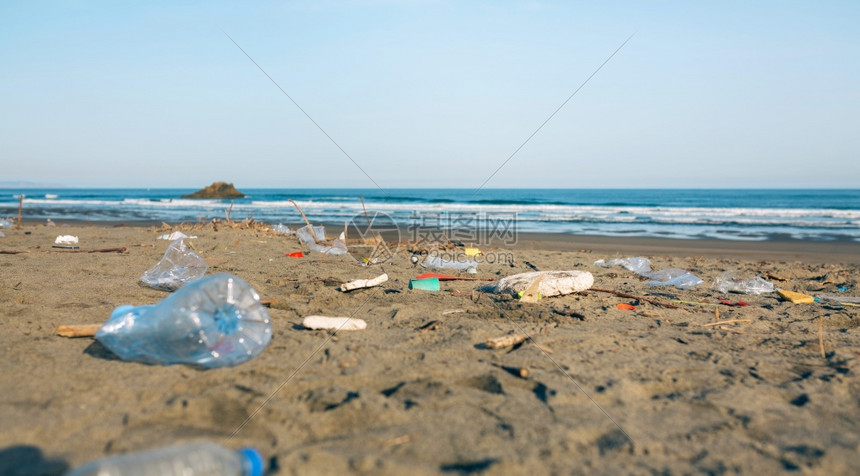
point(189, 459)
point(178, 266)
point(212, 322)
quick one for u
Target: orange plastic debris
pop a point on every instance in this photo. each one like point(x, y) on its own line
point(297, 254)
point(626, 307)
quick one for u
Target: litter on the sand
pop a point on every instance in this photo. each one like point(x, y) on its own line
point(297, 254)
point(433, 261)
point(364, 283)
point(312, 237)
point(427, 284)
point(334, 323)
point(795, 298)
point(448, 277)
point(66, 240)
point(625, 307)
point(553, 283)
point(532, 293)
point(471, 251)
point(830, 297)
point(677, 277)
point(282, 229)
point(213, 322)
point(178, 266)
point(176, 235)
point(186, 459)
point(726, 282)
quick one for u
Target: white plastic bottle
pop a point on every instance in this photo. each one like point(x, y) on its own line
point(189, 459)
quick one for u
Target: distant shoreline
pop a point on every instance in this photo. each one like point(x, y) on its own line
point(778, 248)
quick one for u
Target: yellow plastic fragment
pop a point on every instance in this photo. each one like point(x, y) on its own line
point(470, 251)
point(796, 298)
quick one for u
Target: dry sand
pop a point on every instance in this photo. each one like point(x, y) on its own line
point(648, 391)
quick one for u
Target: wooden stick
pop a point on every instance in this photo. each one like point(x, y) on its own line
point(314, 235)
point(102, 250)
point(369, 225)
point(821, 340)
point(505, 341)
point(228, 211)
point(12, 252)
point(631, 296)
point(520, 372)
point(77, 330)
point(730, 321)
point(269, 302)
point(20, 207)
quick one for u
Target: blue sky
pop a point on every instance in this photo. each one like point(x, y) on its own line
point(431, 93)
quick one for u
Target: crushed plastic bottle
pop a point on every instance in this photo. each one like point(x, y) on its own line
point(726, 282)
point(680, 278)
point(433, 261)
point(212, 322)
point(304, 234)
point(337, 248)
point(189, 459)
point(178, 266)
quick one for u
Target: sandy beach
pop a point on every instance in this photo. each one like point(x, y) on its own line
point(658, 389)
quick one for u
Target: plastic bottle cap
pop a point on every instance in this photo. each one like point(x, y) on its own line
point(255, 461)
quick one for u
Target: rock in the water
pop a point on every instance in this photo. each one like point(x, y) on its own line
point(217, 190)
point(553, 283)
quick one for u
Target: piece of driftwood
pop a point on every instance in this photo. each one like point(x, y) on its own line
point(12, 252)
point(20, 209)
point(506, 341)
point(729, 321)
point(102, 250)
point(640, 298)
point(520, 372)
point(310, 227)
point(77, 330)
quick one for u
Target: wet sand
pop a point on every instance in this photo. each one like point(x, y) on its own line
point(607, 391)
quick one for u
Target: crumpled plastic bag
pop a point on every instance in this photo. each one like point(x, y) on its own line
point(178, 266)
point(433, 261)
point(726, 282)
point(680, 278)
point(553, 283)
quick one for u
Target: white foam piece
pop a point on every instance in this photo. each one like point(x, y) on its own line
point(66, 240)
point(334, 323)
point(364, 283)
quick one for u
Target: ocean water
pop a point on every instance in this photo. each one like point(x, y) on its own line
point(811, 215)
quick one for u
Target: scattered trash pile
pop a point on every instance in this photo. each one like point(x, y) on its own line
point(220, 320)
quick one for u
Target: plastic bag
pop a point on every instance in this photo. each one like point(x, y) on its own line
point(681, 279)
point(178, 266)
point(553, 283)
point(433, 261)
point(677, 277)
point(726, 282)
